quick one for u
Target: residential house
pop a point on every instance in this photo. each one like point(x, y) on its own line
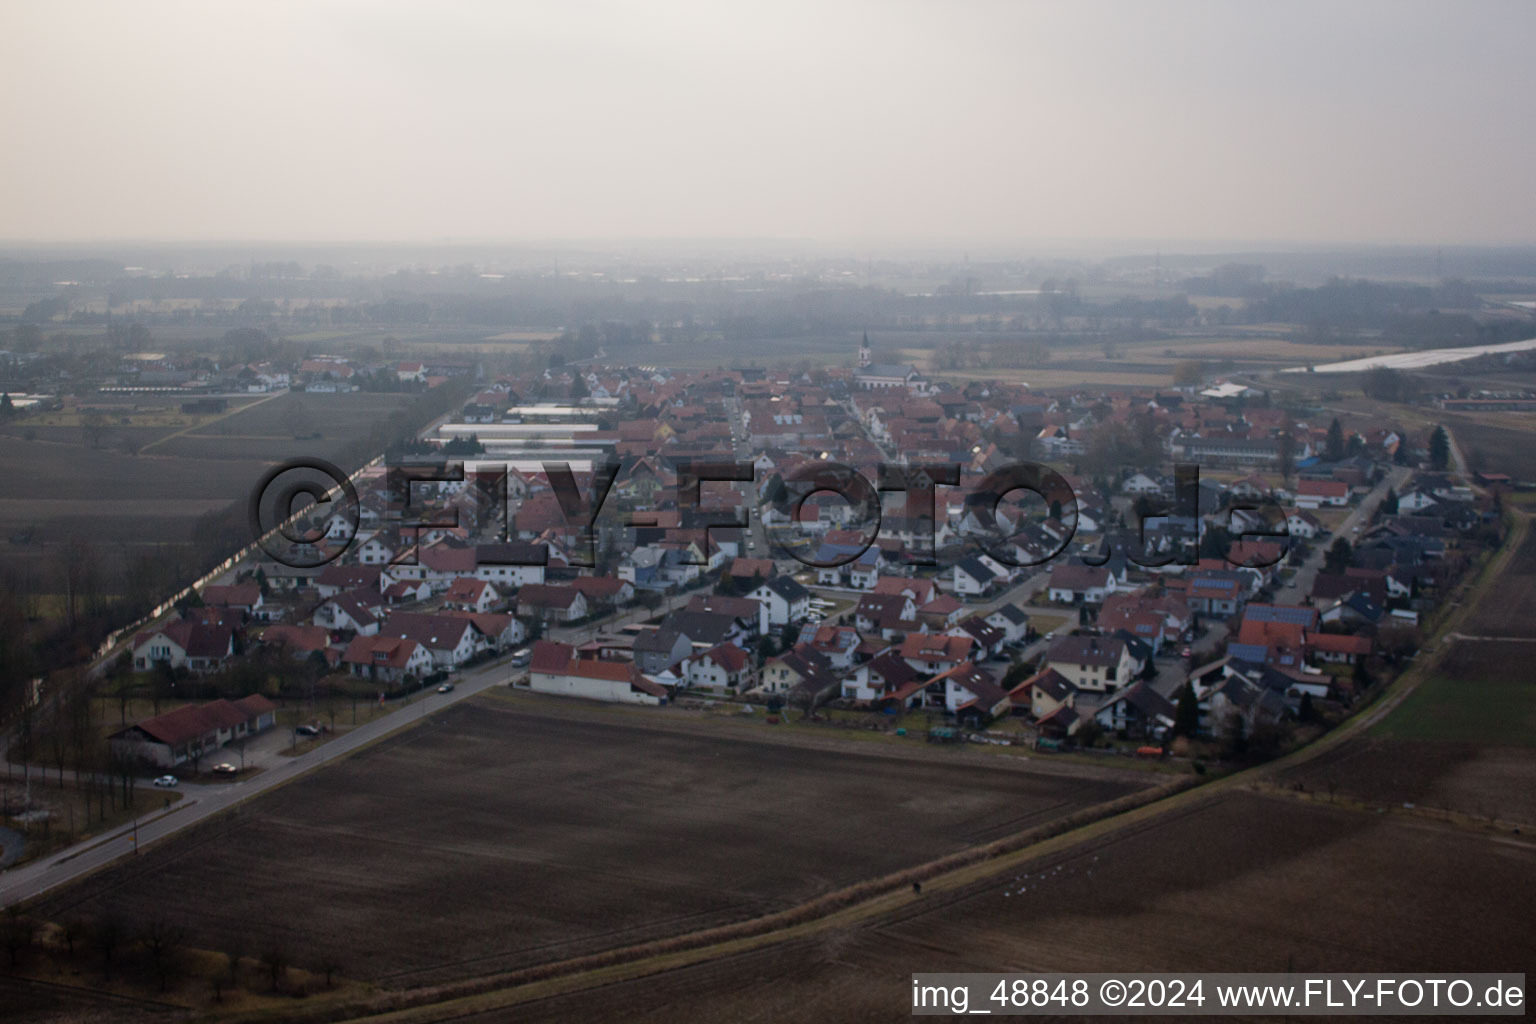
point(724, 667)
point(974, 575)
point(1078, 584)
point(240, 597)
point(471, 595)
point(932, 653)
point(1138, 712)
point(450, 639)
point(1092, 662)
point(787, 601)
point(194, 646)
point(338, 579)
point(356, 611)
point(1043, 693)
point(657, 650)
point(556, 668)
point(880, 678)
point(510, 565)
point(551, 602)
point(799, 666)
point(1315, 494)
point(386, 659)
point(968, 693)
point(186, 733)
point(1012, 620)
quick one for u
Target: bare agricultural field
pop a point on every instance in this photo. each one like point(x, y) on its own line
point(126, 499)
point(490, 838)
point(1465, 739)
point(1248, 882)
point(1507, 605)
point(1480, 781)
point(1241, 883)
point(1482, 691)
point(1247, 350)
point(300, 412)
point(1496, 442)
point(1045, 377)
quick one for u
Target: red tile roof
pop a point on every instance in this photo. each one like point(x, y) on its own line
point(194, 720)
point(387, 651)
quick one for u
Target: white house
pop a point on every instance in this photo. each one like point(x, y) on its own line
point(510, 565)
point(1315, 494)
point(786, 600)
point(724, 667)
point(1092, 662)
point(556, 669)
point(976, 574)
point(356, 610)
point(387, 659)
point(450, 640)
point(1074, 583)
point(197, 647)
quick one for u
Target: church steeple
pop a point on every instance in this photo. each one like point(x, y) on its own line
point(864, 351)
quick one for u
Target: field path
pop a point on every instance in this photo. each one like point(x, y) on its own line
point(215, 419)
point(496, 996)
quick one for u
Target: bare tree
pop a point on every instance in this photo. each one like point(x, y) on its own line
point(93, 425)
point(58, 744)
point(16, 933)
point(275, 960)
point(162, 940)
point(223, 975)
point(108, 936)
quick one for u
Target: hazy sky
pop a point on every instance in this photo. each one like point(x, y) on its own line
point(1332, 121)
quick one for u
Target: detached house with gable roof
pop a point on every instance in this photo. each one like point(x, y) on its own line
point(1092, 662)
point(386, 659)
point(786, 599)
point(197, 647)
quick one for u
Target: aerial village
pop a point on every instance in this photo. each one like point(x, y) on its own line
point(1268, 595)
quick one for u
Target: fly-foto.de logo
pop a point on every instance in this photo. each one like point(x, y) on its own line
point(332, 522)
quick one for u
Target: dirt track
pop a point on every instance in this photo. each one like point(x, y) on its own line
point(490, 839)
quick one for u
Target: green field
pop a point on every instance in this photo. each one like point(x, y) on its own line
point(1484, 693)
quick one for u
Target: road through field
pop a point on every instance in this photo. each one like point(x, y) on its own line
point(202, 802)
point(659, 972)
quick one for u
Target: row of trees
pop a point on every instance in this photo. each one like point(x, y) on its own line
point(156, 949)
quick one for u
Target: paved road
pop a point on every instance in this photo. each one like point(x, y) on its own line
point(1301, 582)
point(200, 802)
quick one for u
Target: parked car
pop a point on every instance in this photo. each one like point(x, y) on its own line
point(1187, 653)
point(445, 688)
point(167, 782)
point(307, 730)
point(521, 658)
point(225, 769)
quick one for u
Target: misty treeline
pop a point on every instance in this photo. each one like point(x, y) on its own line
point(619, 314)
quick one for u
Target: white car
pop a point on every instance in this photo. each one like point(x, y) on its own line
point(167, 782)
